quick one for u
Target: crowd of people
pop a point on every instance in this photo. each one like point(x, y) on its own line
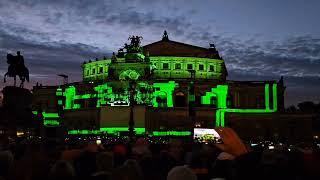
point(173, 159)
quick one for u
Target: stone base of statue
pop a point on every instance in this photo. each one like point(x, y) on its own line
point(134, 57)
point(16, 110)
point(16, 98)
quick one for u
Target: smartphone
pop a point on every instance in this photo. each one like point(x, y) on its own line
point(206, 135)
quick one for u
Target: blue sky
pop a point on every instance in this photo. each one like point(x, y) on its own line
point(259, 39)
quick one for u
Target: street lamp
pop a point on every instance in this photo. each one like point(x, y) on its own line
point(191, 97)
point(132, 102)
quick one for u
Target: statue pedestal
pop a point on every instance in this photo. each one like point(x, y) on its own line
point(16, 98)
point(17, 112)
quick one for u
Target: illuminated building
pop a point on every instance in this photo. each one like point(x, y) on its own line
point(165, 87)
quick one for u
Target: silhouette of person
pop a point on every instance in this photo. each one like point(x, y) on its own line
point(20, 58)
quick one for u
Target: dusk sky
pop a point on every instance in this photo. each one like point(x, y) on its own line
point(258, 39)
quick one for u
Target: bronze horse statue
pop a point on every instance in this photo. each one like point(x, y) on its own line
point(17, 68)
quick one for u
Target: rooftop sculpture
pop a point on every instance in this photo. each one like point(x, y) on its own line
point(134, 51)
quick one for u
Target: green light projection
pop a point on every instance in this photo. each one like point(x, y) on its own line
point(105, 95)
point(113, 130)
point(116, 130)
point(148, 94)
point(220, 92)
point(59, 92)
point(220, 113)
point(164, 90)
point(171, 133)
point(205, 72)
point(70, 92)
point(129, 74)
point(144, 93)
point(49, 119)
point(191, 95)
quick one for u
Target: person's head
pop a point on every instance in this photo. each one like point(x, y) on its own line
point(141, 147)
point(6, 159)
point(130, 170)
point(181, 173)
point(175, 148)
point(102, 176)
point(62, 170)
point(150, 168)
point(133, 168)
point(245, 167)
point(18, 52)
point(275, 164)
point(104, 161)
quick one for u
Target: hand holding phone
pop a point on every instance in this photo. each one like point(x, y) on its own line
point(231, 142)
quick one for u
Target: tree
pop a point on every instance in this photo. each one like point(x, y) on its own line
point(307, 106)
point(292, 108)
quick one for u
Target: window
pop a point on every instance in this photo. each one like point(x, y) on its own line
point(165, 66)
point(60, 102)
point(178, 66)
point(88, 72)
point(201, 67)
point(214, 102)
point(190, 67)
point(100, 69)
point(93, 71)
point(211, 68)
point(180, 100)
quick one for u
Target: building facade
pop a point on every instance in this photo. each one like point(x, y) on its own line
point(165, 87)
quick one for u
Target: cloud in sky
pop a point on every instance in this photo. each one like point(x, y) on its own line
point(57, 36)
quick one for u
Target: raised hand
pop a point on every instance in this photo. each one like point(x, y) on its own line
point(232, 143)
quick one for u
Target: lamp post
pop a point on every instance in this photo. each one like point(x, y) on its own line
point(132, 102)
point(191, 97)
point(40, 120)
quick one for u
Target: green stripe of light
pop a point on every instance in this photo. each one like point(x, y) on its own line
point(111, 130)
point(171, 133)
point(49, 119)
point(220, 113)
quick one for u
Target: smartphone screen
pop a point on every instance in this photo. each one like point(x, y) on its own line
point(205, 135)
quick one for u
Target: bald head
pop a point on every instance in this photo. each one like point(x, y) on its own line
point(181, 173)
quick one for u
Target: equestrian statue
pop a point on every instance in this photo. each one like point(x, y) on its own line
point(17, 68)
